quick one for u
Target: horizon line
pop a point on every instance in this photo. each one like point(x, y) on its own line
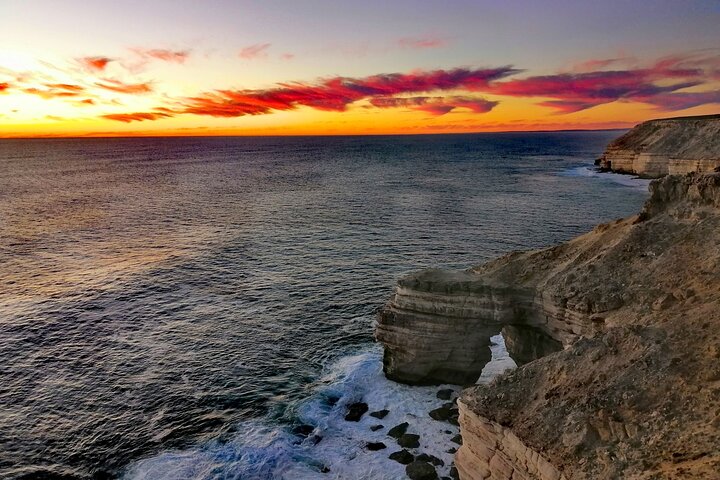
point(407, 134)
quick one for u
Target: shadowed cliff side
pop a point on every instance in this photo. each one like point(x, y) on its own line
point(669, 146)
point(634, 393)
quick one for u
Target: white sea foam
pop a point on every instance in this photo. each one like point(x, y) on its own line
point(622, 179)
point(262, 450)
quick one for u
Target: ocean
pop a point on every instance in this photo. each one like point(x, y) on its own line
point(173, 308)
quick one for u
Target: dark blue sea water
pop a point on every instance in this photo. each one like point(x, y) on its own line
point(170, 308)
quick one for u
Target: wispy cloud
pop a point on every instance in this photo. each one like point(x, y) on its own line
point(660, 84)
point(436, 105)
point(136, 116)
point(336, 93)
point(55, 90)
point(173, 56)
point(421, 43)
point(95, 64)
point(121, 87)
point(259, 50)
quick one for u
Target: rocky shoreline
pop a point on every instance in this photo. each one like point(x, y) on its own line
point(617, 336)
point(668, 146)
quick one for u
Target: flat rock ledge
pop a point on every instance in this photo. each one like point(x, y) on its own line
point(669, 146)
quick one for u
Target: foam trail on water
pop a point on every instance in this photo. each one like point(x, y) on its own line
point(266, 450)
point(622, 179)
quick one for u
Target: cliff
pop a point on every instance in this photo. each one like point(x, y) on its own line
point(670, 146)
point(619, 334)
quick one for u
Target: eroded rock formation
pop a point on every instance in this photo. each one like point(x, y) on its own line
point(671, 146)
point(634, 393)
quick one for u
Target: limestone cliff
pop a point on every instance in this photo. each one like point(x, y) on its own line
point(668, 146)
point(621, 329)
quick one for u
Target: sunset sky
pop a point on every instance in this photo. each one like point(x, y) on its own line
point(278, 67)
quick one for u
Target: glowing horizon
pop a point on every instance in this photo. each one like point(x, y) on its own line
point(238, 68)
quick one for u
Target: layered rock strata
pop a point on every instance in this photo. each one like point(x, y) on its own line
point(672, 146)
point(634, 391)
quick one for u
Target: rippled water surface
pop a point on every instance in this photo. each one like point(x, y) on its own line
point(176, 295)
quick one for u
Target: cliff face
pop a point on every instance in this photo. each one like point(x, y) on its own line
point(672, 146)
point(621, 329)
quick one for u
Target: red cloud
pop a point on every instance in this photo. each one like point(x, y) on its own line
point(65, 86)
point(574, 92)
point(121, 87)
point(335, 94)
point(683, 100)
point(598, 64)
point(287, 56)
point(55, 91)
point(136, 117)
point(176, 56)
point(96, 64)
point(259, 50)
point(435, 105)
point(4, 86)
point(419, 43)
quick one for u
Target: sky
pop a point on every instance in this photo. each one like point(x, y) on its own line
point(320, 67)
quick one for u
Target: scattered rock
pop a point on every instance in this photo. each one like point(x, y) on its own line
point(454, 473)
point(403, 456)
point(356, 411)
point(457, 439)
point(380, 414)
point(441, 414)
point(444, 394)
point(398, 430)
point(332, 400)
point(426, 457)
point(325, 469)
point(303, 430)
point(451, 450)
point(375, 446)
point(375, 428)
point(409, 440)
point(421, 471)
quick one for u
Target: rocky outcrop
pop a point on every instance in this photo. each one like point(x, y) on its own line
point(491, 451)
point(620, 333)
point(671, 146)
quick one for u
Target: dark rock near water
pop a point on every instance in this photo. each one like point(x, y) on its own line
point(332, 400)
point(303, 430)
point(451, 450)
point(454, 473)
point(403, 456)
point(380, 414)
point(426, 457)
point(325, 469)
point(421, 471)
point(398, 430)
point(444, 394)
point(457, 439)
point(441, 414)
point(375, 446)
point(409, 440)
point(356, 411)
point(375, 428)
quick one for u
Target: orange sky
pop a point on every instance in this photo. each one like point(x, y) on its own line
point(205, 72)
